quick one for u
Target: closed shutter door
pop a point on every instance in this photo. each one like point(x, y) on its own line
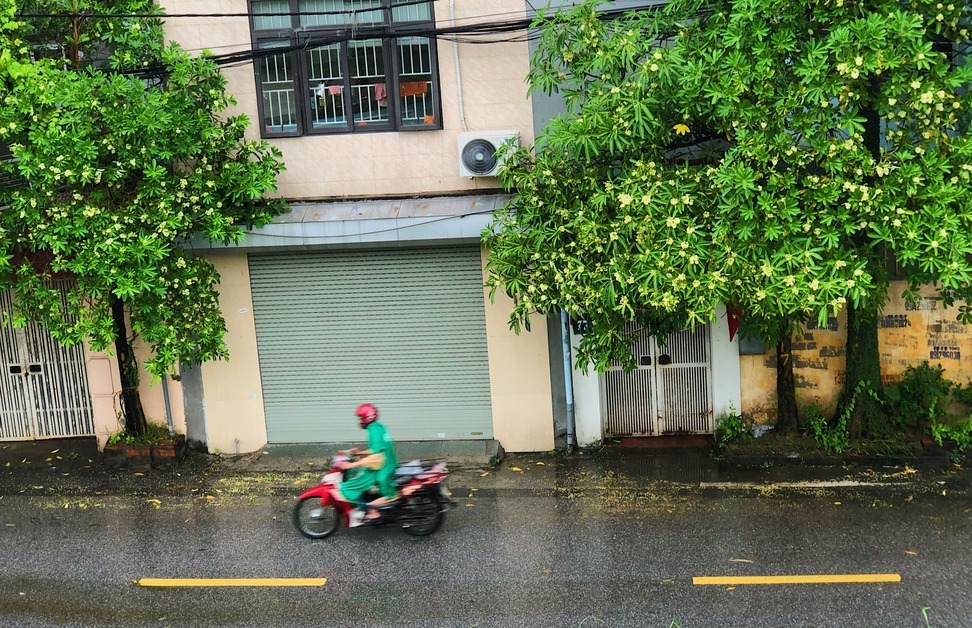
point(402, 329)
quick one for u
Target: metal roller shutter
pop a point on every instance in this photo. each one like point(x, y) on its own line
point(402, 329)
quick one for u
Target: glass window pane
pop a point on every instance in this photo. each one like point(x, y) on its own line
point(271, 22)
point(369, 89)
point(279, 96)
point(411, 12)
point(417, 98)
point(326, 83)
point(338, 12)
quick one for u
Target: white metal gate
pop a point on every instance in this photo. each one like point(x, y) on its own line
point(43, 385)
point(670, 391)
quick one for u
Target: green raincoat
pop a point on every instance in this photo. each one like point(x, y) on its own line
point(359, 480)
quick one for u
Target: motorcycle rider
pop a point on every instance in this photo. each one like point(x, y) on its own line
point(374, 468)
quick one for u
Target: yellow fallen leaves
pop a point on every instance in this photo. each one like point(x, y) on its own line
point(911, 553)
point(516, 469)
point(484, 474)
point(469, 505)
point(153, 501)
point(540, 464)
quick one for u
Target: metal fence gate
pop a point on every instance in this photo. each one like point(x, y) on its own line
point(669, 392)
point(43, 385)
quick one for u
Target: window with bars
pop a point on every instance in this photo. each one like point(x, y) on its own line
point(326, 80)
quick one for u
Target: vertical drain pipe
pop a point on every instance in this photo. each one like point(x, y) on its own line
point(455, 52)
point(568, 382)
point(168, 408)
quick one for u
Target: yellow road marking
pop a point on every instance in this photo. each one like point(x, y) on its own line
point(809, 579)
point(232, 582)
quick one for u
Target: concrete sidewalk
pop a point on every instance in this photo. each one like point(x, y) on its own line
point(75, 468)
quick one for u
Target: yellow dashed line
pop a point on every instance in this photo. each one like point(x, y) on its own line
point(232, 582)
point(809, 579)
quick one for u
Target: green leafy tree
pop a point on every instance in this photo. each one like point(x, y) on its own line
point(123, 155)
point(770, 154)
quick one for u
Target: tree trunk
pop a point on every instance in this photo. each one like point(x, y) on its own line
point(863, 373)
point(787, 420)
point(135, 423)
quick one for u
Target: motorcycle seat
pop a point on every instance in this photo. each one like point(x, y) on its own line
point(410, 470)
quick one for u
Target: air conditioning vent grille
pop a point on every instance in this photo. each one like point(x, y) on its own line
point(479, 156)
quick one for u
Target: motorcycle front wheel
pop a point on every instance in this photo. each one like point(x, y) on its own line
point(315, 521)
point(423, 515)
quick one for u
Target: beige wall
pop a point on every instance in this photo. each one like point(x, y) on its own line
point(908, 335)
point(418, 162)
point(519, 377)
point(153, 400)
point(232, 390)
point(104, 384)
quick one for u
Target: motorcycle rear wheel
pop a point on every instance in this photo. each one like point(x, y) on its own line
point(423, 516)
point(315, 521)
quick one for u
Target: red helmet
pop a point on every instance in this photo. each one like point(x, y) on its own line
point(367, 413)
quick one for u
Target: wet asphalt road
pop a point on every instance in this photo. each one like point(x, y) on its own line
point(616, 554)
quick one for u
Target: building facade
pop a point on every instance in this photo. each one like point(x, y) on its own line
point(371, 288)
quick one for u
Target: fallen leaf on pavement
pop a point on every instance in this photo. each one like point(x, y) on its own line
point(837, 503)
point(55, 451)
point(153, 501)
point(10, 525)
point(911, 553)
point(518, 469)
point(469, 505)
point(730, 588)
point(210, 497)
point(546, 571)
point(740, 560)
point(137, 473)
point(482, 475)
point(540, 464)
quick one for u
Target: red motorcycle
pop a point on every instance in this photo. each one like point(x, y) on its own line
point(419, 510)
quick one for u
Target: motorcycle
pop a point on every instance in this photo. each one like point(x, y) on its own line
point(419, 510)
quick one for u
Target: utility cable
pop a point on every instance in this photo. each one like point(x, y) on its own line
point(375, 232)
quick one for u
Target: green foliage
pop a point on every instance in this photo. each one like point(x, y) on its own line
point(920, 398)
point(961, 434)
point(833, 436)
point(732, 152)
point(155, 434)
point(733, 428)
point(121, 173)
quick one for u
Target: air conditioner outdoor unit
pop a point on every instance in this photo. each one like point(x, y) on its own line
point(477, 152)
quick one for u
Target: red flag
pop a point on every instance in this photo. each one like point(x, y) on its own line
point(732, 316)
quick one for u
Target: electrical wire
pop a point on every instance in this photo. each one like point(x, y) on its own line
point(516, 30)
point(375, 232)
point(113, 16)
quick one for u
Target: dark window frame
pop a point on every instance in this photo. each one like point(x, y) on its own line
point(297, 38)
